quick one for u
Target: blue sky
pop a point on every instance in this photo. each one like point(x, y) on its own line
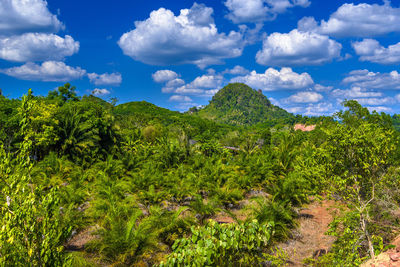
point(306, 55)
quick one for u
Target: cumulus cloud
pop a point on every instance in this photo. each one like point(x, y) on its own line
point(319, 109)
point(20, 16)
point(380, 109)
point(373, 80)
point(205, 85)
point(237, 70)
point(362, 20)
point(375, 101)
point(355, 92)
point(162, 76)
point(207, 81)
point(242, 11)
point(371, 50)
point(313, 109)
point(294, 109)
point(305, 97)
point(105, 79)
point(274, 79)
point(37, 47)
point(297, 48)
point(190, 38)
point(100, 92)
point(172, 85)
point(180, 98)
point(322, 88)
point(48, 71)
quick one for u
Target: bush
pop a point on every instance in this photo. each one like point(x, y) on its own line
point(222, 245)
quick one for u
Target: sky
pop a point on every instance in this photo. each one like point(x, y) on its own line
point(307, 56)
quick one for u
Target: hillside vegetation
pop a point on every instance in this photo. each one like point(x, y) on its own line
point(87, 183)
point(238, 104)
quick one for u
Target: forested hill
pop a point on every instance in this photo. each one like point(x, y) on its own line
point(239, 104)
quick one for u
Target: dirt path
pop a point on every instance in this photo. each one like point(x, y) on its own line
point(310, 240)
point(79, 241)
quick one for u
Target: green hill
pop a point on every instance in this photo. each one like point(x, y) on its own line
point(239, 104)
point(142, 113)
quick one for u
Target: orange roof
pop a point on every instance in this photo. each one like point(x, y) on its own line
point(303, 127)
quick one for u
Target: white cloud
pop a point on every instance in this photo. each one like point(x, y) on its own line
point(355, 92)
point(274, 79)
point(307, 24)
point(242, 11)
point(363, 96)
point(20, 16)
point(305, 97)
point(190, 38)
point(371, 50)
point(180, 98)
point(373, 80)
point(162, 76)
point(322, 88)
point(206, 81)
point(205, 85)
point(380, 109)
point(375, 101)
point(362, 20)
point(297, 48)
point(105, 79)
point(313, 109)
point(48, 71)
point(237, 70)
point(100, 92)
point(294, 109)
point(172, 85)
point(320, 109)
point(37, 47)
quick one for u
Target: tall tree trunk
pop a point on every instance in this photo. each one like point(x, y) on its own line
point(363, 223)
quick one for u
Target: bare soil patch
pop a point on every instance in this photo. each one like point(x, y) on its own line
point(309, 238)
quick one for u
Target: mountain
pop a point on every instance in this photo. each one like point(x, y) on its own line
point(239, 104)
point(144, 113)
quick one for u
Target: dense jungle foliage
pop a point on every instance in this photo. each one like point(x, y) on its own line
point(143, 186)
point(238, 104)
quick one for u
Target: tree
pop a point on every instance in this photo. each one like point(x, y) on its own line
point(77, 134)
point(357, 154)
point(64, 94)
point(41, 127)
point(32, 230)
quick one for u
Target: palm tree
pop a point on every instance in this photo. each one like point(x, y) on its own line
point(77, 136)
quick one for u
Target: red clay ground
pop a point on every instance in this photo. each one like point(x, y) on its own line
point(310, 235)
point(390, 258)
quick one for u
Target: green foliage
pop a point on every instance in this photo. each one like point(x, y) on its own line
point(125, 240)
point(357, 156)
point(63, 94)
point(151, 133)
point(145, 180)
point(33, 229)
point(348, 249)
point(223, 245)
point(278, 212)
point(238, 104)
